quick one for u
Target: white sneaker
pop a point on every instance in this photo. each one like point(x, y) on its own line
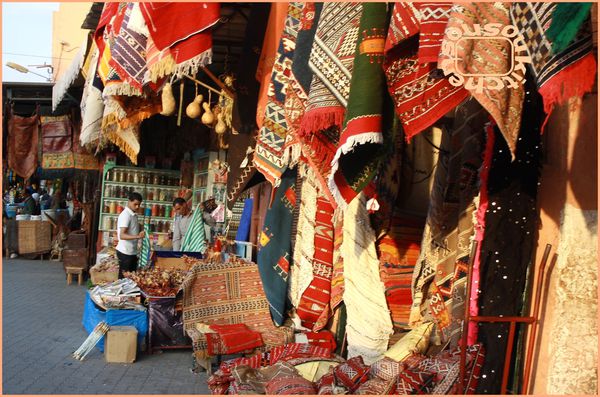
point(13, 256)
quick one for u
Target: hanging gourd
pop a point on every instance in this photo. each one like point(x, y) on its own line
point(208, 117)
point(220, 129)
point(193, 110)
point(168, 100)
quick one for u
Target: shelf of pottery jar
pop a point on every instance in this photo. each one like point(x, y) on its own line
point(141, 217)
point(114, 230)
point(124, 201)
point(170, 187)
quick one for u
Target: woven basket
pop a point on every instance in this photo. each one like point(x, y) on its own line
point(34, 237)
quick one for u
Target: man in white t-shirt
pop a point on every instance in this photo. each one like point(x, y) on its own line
point(128, 231)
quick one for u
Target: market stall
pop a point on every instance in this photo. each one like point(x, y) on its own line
point(315, 187)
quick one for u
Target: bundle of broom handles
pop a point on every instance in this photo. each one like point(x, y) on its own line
point(91, 341)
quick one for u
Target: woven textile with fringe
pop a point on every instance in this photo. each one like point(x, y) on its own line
point(357, 156)
point(92, 106)
point(337, 276)
point(369, 324)
point(559, 76)
point(22, 144)
point(180, 41)
point(439, 278)
point(270, 158)
point(420, 97)
point(228, 293)
point(129, 52)
point(489, 57)
point(567, 19)
point(433, 19)
point(275, 251)
point(331, 60)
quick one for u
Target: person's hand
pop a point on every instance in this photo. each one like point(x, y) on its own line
point(142, 234)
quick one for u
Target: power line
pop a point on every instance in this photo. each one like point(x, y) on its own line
point(35, 56)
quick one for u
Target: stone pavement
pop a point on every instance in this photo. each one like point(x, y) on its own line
point(41, 327)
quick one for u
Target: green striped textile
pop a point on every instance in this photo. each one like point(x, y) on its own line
point(195, 239)
point(145, 252)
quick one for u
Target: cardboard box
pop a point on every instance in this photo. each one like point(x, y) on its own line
point(121, 344)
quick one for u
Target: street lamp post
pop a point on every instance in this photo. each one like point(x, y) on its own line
point(23, 69)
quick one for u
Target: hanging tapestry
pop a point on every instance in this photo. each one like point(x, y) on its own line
point(567, 19)
point(146, 248)
point(359, 149)
point(82, 158)
point(274, 247)
point(331, 60)
point(337, 276)
point(60, 146)
point(299, 81)
point(480, 230)
point(129, 52)
point(23, 144)
point(511, 221)
point(420, 96)
point(369, 325)
point(490, 57)
point(304, 247)
point(92, 106)
point(559, 76)
point(181, 41)
point(268, 56)
point(433, 19)
point(439, 279)
point(404, 24)
point(313, 308)
point(270, 158)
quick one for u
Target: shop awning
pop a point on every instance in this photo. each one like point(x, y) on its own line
point(70, 78)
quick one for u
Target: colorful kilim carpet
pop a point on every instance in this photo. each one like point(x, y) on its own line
point(228, 293)
point(331, 60)
point(274, 247)
point(572, 72)
point(440, 274)
point(433, 19)
point(313, 308)
point(359, 150)
point(490, 57)
point(270, 158)
point(420, 97)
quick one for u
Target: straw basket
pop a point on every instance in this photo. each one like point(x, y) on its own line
point(34, 237)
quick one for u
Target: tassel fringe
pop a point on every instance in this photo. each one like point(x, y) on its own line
point(321, 119)
point(573, 81)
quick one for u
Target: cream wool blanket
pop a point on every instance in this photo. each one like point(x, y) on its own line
point(369, 323)
point(304, 249)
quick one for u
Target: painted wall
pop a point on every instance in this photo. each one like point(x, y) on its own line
point(567, 348)
point(66, 28)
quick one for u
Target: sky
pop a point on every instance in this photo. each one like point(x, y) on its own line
point(26, 39)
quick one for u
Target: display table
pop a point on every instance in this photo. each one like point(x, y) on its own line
point(92, 315)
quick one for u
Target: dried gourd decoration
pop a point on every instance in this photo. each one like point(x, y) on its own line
point(193, 110)
point(208, 118)
point(227, 104)
point(168, 100)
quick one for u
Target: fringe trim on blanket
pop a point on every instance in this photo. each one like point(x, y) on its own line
point(130, 151)
point(573, 81)
point(192, 67)
point(321, 119)
point(160, 69)
point(121, 89)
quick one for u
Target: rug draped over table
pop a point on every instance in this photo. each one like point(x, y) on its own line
point(224, 294)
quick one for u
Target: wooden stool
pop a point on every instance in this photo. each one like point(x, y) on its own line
point(74, 270)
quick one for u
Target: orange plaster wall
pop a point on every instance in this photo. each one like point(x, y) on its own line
point(569, 177)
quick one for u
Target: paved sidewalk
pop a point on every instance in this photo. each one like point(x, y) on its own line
point(41, 327)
